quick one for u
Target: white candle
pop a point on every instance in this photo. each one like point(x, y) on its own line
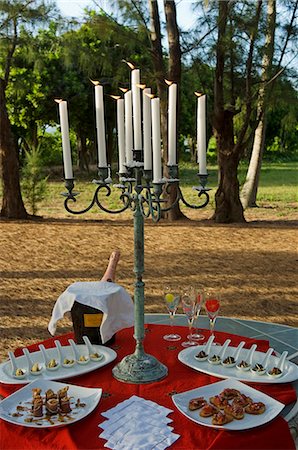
point(100, 127)
point(121, 141)
point(201, 134)
point(68, 173)
point(128, 127)
point(155, 109)
point(136, 109)
point(147, 129)
point(172, 125)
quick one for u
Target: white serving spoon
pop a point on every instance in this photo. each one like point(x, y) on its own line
point(216, 359)
point(245, 365)
point(260, 369)
point(93, 355)
point(80, 359)
point(47, 361)
point(67, 365)
point(31, 364)
point(278, 370)
point(231, 361)
point(15, 368)
point(205, 352)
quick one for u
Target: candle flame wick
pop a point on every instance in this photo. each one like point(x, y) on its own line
point(115, 97)
point(96, 83)
point(168, 82)
point(150, 95)
point(199, 94)
point(58, 100)
point(130, 65)
point(124, 89)
point(141, 86)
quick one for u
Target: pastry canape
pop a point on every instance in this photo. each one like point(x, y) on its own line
point(236, 411)
point(255, 408)
point(229, 393)
point(221, 418)
point(219, 401)
point(208, 410)
point(37, 406)
point(241, 400)
point(52, 406)
point(196, 403)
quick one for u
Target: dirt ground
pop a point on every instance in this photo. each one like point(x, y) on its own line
point(252, 265)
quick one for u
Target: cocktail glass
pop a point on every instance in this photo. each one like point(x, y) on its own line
point(172, 300)
point(188, 306)
point(199, 297)
point(212, 306)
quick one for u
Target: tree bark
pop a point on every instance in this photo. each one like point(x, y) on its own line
point(250, 187)
point(174, 74)
point(12, 202)
point(82, 152)
point(228, 205)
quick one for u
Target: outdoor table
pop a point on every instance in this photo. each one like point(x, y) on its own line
point(84, 434)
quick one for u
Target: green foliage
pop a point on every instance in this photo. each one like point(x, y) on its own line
point(34, 185)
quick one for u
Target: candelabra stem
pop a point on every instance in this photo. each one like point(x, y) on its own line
point(139, 367)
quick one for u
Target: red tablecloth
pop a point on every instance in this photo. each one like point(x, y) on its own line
point(84, 434)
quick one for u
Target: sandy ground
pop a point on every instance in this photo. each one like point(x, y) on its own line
point(252, 265)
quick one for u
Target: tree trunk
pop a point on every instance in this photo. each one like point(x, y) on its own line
point(228, 207)
point(174, 74)
point(250, 187)
point(12, 202)
point(82, 152)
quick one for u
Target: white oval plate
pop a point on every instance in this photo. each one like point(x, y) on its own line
point(62, 372)
point(187, 357)
point(273, 407)
point(23, 397)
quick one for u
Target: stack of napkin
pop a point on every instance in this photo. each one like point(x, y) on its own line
point(110, 298)
point(137, 424)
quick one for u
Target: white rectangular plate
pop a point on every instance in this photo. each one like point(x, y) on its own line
point(61, 373)
point(273, 407)
point(88, 396)
point(187, 357)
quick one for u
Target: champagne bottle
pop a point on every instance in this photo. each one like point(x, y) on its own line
point(110, 273)
point(86, 319)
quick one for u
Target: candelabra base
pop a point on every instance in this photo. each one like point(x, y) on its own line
point(139, 369)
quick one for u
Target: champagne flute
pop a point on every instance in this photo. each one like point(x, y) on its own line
point(172, 300)
point(199, 296)
point(188, 306)
point(212, 306)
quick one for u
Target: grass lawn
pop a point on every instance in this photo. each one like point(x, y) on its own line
point(277, 190)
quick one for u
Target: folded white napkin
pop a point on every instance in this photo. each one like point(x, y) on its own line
point(137, 424)
point(110, 298)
